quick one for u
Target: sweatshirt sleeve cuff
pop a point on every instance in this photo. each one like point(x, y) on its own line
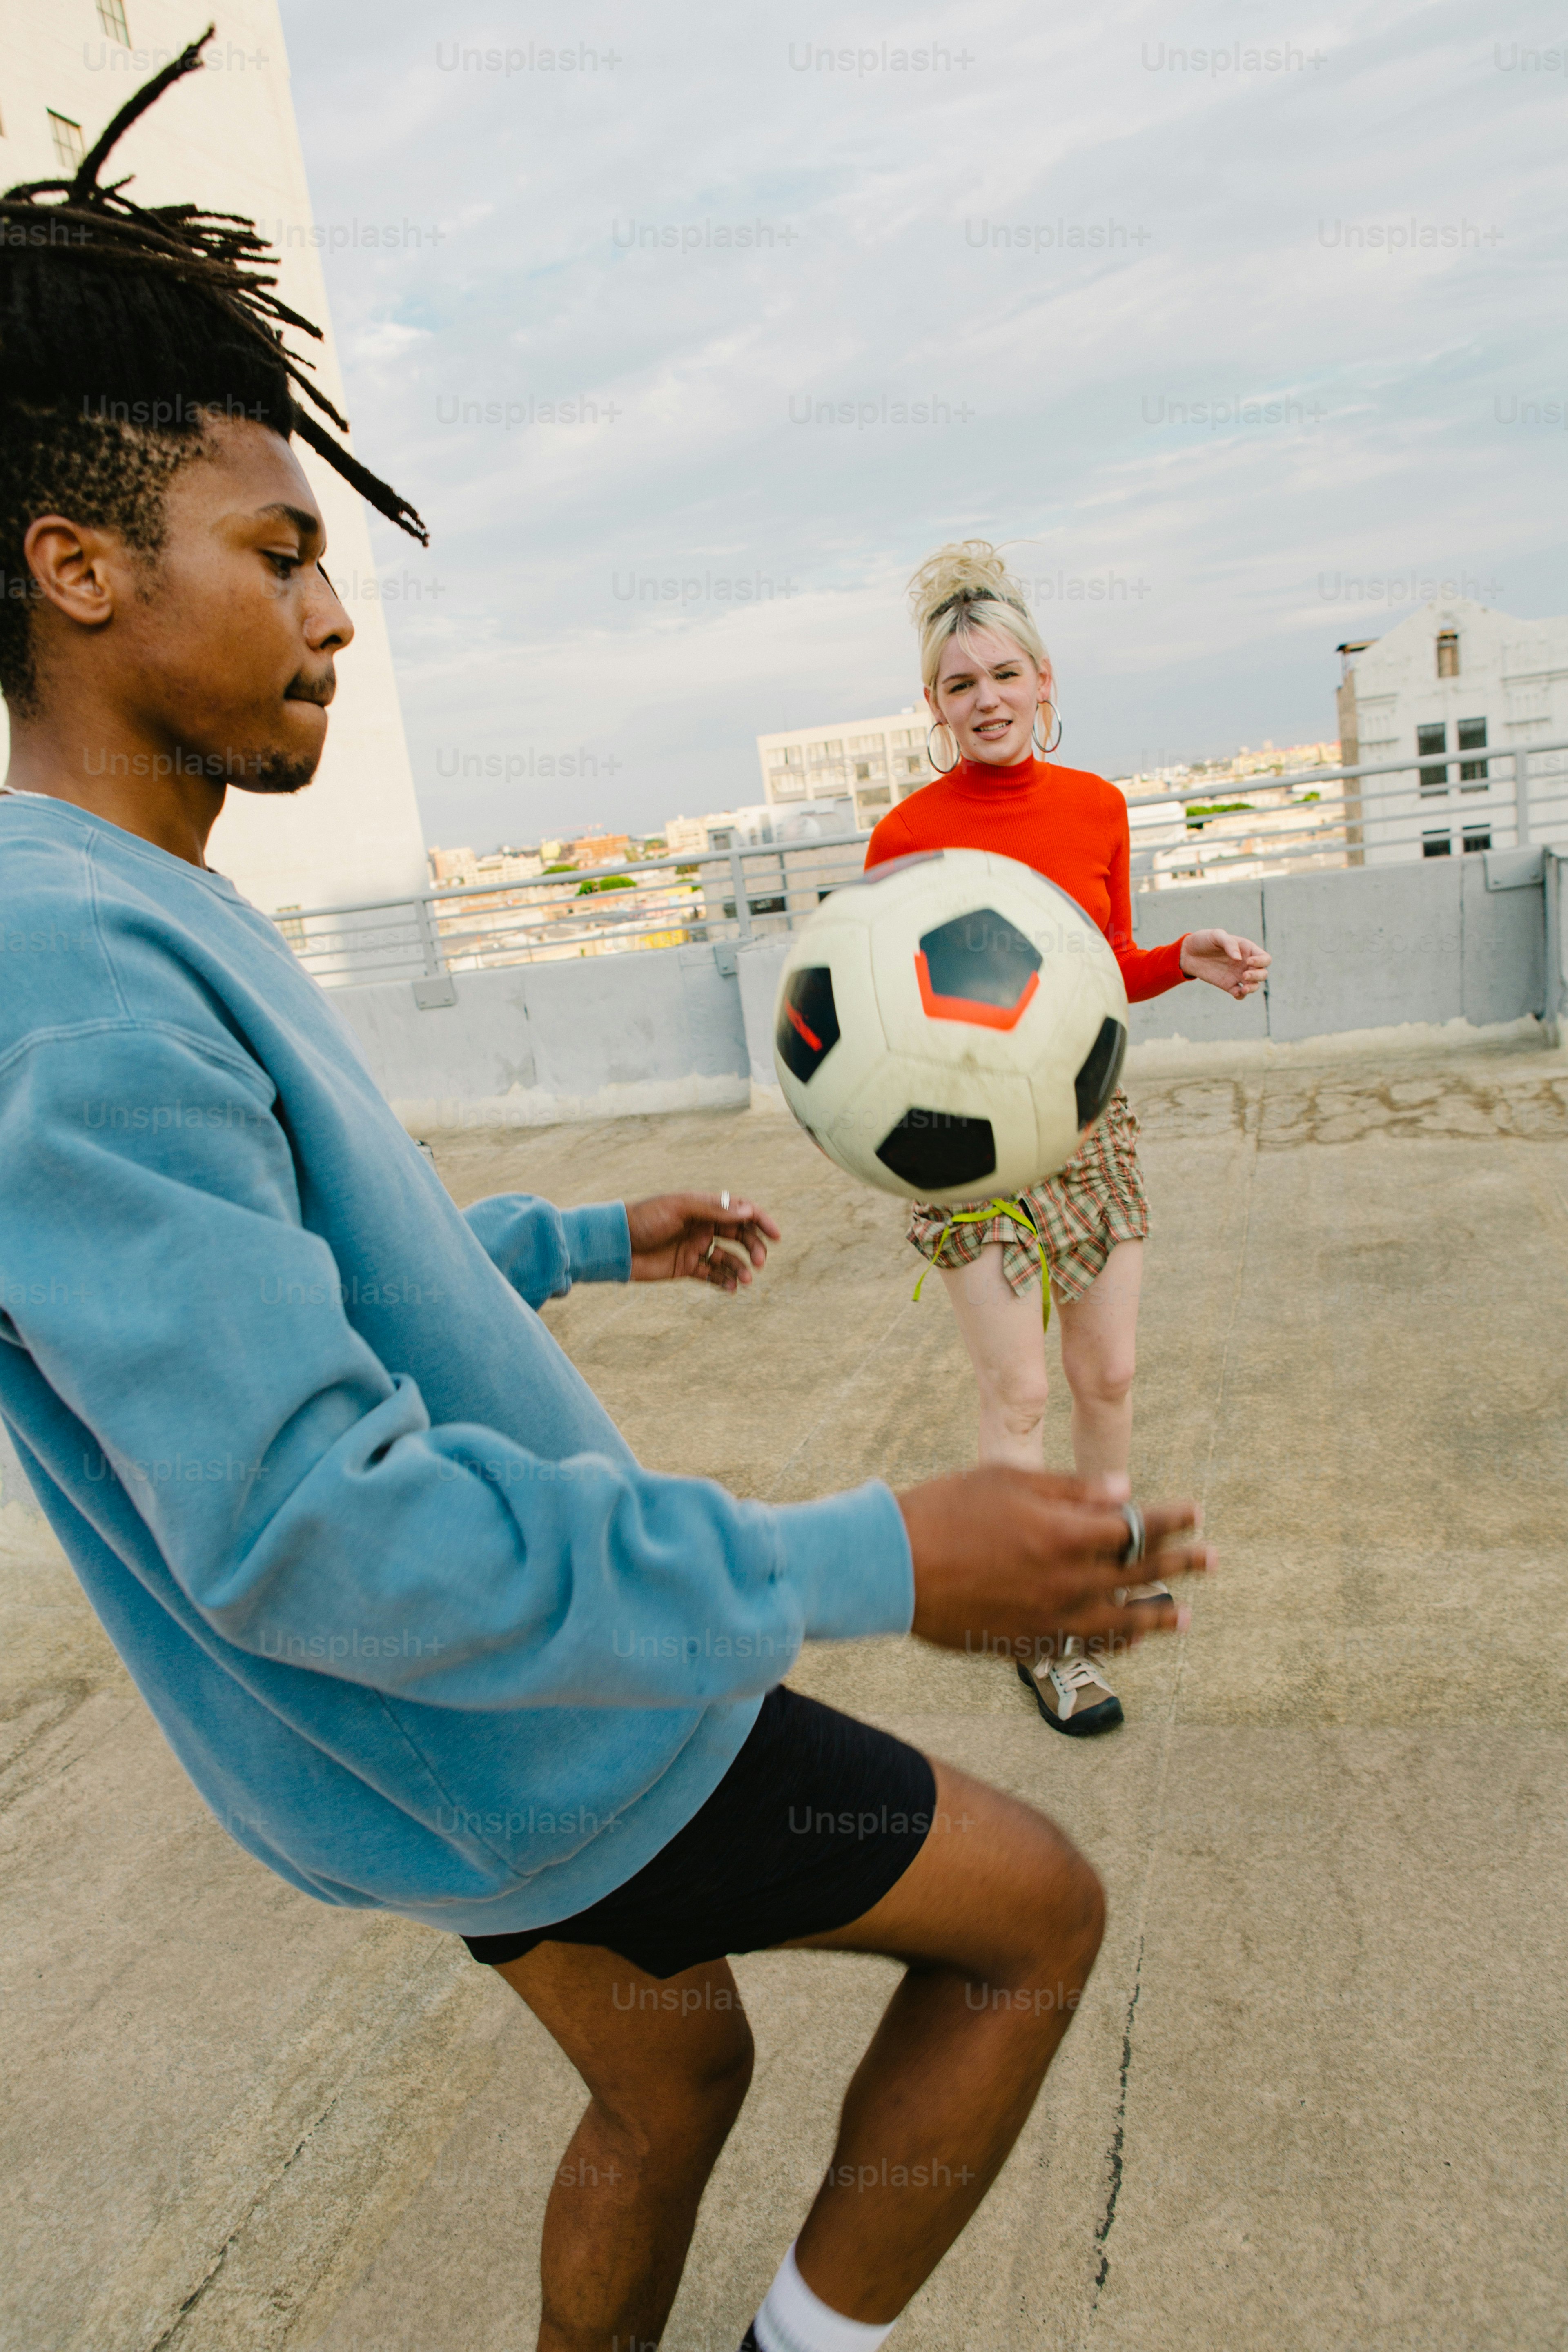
point(848, 1557)
point(598, 1243)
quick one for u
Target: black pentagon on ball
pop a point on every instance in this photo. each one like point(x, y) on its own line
point(1096, 1081)
point(937, 1150)
point(980, 959)
point(808, 1020)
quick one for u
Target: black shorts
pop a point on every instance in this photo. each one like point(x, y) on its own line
point(815, 1818)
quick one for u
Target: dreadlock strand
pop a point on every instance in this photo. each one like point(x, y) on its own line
point(376, 492)
point(188, 61)
point(105, 239)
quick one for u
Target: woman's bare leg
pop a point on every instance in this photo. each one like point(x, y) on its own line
point(1007, 1341)
point(1099, 1335)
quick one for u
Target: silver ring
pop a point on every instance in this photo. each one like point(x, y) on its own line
point(723, 1200)
point(1134, 1551)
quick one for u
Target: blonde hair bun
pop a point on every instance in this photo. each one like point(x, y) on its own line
point(966, 567)
point(966, 586)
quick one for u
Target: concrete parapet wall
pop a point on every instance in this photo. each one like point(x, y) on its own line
point(1444, 950)
point(1449, 940)
point(534, 1044)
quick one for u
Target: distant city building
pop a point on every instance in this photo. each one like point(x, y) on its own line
point(591, 849)
point(699, 836)
point(451, 867)
point(686, 837)
point(227, 139)
point(1451, 686)
point(601, 849)
point(1201, 837)
point(872, 762)
point(460, 869)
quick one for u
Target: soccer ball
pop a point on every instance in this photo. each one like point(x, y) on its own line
point(948, 1026)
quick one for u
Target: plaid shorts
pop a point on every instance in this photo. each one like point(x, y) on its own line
point(1097, 1201)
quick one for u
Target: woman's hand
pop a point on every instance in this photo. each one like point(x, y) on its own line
point(1224, 961)
point(676, 1238)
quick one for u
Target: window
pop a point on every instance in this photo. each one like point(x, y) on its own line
point(1477, 836)
point(111, 16)
point(912, 766)
point(70, 147)
point(791, 756)
point(787, 786)
point(1437, 845)
point(877, 797)
point(827, 751)
point(1472, 736)
point(1433, 739)
point(1447, 653)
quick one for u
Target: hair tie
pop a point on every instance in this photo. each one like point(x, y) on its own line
point(975, 596)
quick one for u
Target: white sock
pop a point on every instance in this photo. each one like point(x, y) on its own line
point(792, 2319)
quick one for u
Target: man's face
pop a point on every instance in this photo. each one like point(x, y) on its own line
point(223, 644)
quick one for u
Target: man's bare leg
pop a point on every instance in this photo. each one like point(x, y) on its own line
point(999, 1918)
point(667, 2063)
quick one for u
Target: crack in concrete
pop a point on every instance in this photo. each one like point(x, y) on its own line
point(1114, 2157)
point(1118, 2135)
point(264, 2190)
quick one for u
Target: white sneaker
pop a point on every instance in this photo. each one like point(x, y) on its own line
point(1073, 1696)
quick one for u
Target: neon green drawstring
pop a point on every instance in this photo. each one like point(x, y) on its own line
point(1020, 1216)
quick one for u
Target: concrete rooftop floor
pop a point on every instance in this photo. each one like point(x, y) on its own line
point(1316, 2098)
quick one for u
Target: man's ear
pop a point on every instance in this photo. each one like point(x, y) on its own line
point(71, 562)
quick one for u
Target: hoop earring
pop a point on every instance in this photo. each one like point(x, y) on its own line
point(930, 755)
point(1045, 750)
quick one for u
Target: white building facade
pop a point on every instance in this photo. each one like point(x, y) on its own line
point(225, 138)
point(1451, 687)
point(870, 762)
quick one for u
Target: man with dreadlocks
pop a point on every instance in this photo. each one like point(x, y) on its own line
point(419, 1627)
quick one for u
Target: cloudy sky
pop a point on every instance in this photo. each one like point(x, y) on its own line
point(1236, 317)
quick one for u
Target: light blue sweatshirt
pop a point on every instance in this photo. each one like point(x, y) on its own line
point(422, 1632)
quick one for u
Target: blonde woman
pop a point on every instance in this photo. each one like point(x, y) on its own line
point(992, 694)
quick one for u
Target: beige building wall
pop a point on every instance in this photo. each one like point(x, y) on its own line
point(227, 138)
point(873, 761)
point(1455, 685)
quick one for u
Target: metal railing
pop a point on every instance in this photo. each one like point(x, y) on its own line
point(1285, 823)
point(1453, 802)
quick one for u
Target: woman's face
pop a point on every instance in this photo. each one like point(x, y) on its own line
point(988, 690)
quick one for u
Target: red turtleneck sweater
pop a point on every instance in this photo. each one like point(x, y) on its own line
point(1068, 825)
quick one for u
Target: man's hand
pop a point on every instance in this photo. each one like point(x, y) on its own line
point(1011, 1561)
point(677, 1237)
point(1224, 961)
